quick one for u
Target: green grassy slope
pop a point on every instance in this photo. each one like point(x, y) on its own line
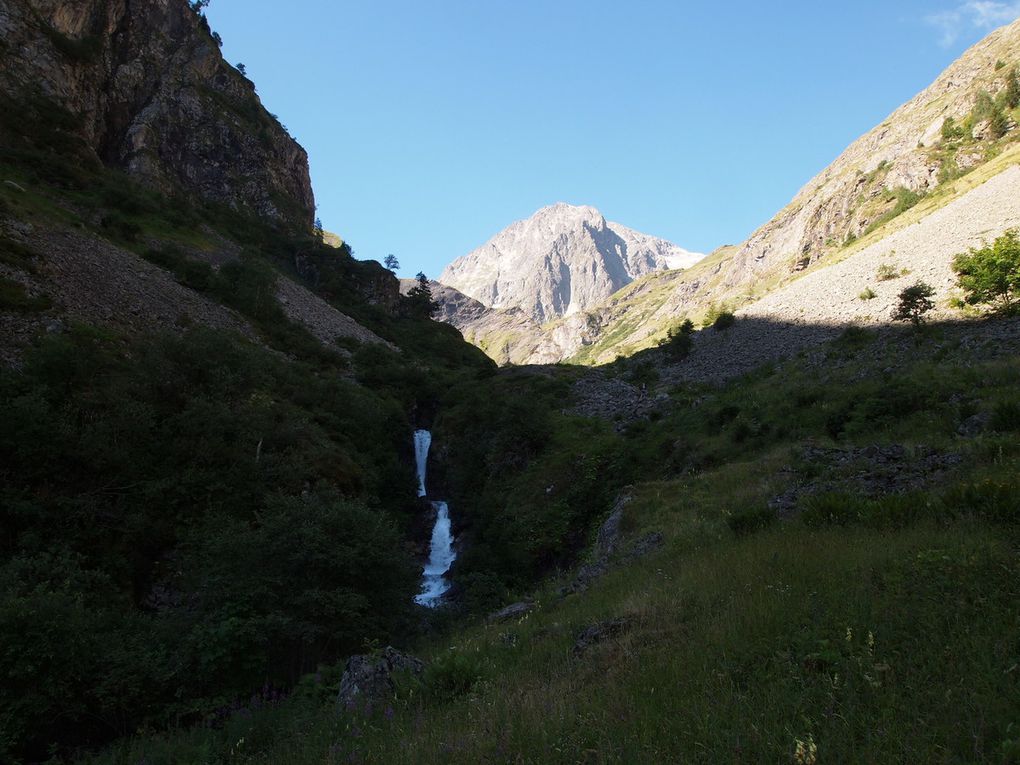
point(871, 630)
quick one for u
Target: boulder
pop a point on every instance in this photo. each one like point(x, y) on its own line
point(600, 632)
point(513, 611)
point(369, 678)
point(974, 426)
point(646, 545)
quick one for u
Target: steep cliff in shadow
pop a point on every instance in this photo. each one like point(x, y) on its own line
point(144, 87)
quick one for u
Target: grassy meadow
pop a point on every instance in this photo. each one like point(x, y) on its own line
point(861, 626)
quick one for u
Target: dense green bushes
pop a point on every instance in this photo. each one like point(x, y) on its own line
point(718, 317)
point(525, 481)
point(914, 302)
point(990, 275)
point(679, 340)
point(904, 199)
point(18, 255)
point(183, 519)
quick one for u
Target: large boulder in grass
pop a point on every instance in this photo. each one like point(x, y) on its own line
point(601, 632)
point(513, 611)
point(369, 679)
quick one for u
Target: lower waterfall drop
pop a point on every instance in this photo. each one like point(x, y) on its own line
point(441, 557)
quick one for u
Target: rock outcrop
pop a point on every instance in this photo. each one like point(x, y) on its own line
point(369, 679)
point(559, 262)
point(147, 91)
point(607, 541)
point(856, 210)
point(601, 632)
point(513, 611)
point(848, 196)
point(507, 336)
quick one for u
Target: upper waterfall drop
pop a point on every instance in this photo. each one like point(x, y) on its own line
point(422, 442)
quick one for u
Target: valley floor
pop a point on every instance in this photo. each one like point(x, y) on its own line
point(838, 581)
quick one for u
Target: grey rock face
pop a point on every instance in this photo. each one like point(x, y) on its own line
point(507, 336)
point(513, 611)
point(606, 543)
point(559, 262)
point(368, 678)
point(869, 471)
point(601, 632)
point(898, 153)
point(646, 545)
point(155, 98)
point(974, 425)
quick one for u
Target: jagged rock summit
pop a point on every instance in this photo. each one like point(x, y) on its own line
point(560, 261)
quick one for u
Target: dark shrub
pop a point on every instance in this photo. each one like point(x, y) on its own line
point(724, 321)
point(749, 520)
point(1006, 417)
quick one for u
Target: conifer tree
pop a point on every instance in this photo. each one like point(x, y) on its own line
point(420, 296)
point(1013, 88)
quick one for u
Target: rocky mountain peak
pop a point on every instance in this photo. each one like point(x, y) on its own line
point(562, 260)
point(562, 213)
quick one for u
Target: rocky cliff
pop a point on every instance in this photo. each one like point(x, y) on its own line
point(561, 261)
point(507, 336)
point(144, 187)
point(147, 91)
point(898, 174)
point(906, 152)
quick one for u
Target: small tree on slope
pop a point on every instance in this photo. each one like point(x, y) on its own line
point(678, 340)
point(991, 275)
point(914, 303)
point(1013, 89)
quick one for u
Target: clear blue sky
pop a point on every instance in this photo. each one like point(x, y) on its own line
point(433, 125)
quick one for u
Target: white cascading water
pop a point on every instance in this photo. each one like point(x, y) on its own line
point(441, 553)
point(441, 556)
point(422, 442)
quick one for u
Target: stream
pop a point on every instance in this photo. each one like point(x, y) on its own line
point(434, 583)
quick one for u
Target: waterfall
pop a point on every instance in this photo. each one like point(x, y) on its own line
point(422, 442)
point(441, 556)
point(441, 553)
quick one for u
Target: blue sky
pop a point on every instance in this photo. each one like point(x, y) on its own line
point(432, 125)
